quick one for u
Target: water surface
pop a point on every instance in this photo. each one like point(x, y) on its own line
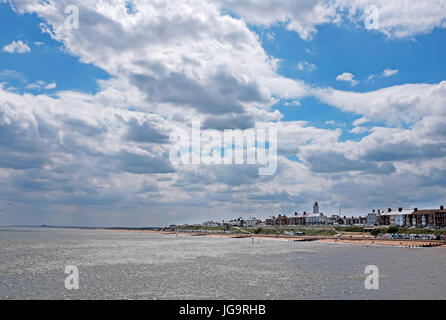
point(136, 265)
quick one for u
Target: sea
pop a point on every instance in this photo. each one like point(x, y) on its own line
point(37, 263)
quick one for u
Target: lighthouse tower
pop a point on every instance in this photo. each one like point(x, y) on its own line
point(315, 207)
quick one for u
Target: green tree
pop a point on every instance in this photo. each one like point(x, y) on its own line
point(392, 229)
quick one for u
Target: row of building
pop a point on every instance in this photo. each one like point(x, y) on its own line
point(239, 222)
point(431, 218)
point(315, 218)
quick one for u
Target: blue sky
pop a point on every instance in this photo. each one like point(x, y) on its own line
point(85, 115)
point(47, 61)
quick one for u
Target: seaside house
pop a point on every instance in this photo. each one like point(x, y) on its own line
point(384, 218)
point(251, 222)
point(281, 220)
point(372, 218)
point(398, 218)
point(334, 219)
point(315, 218)
point(297, 219)
point(270, 221)
point(363, 220)
point(433, 218)
point(210, 224)
point(236, 222)
point(440, 218)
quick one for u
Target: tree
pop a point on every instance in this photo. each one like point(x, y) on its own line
point(392, 229)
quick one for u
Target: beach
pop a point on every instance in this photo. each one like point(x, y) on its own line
point(350, 239)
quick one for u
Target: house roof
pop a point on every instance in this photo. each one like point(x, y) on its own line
point(428, 211)
point(314, 215)
point(397, 213)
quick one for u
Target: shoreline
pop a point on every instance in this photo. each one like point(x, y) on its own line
point(361, 240)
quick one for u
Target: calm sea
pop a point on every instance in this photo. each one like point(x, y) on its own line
point(132, 265)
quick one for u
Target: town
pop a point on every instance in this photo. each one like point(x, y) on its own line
point(424, 226)
point(423, 218)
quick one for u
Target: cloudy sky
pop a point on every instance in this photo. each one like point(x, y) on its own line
point(85, 114)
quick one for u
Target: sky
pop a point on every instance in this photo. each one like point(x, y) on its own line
point(90, 96)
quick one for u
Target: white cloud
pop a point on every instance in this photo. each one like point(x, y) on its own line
point(406, 103)
point(397, 19)
point(40, 85)
point(17, 47)
point(359, 130)
point(300, 16)
point(270, 36)
point(385, 73)
point(401, 18)
point(390, 72)
point(306, 66)
point(347, 77)
point(76, 152)
point(360, 121)
point(8, 74)
point(336, 123)
point(189, 66)
point(50, 86)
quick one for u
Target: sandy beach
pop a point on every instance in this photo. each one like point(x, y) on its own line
point(353, 239)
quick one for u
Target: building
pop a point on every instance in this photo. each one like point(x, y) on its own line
point(432, 218)
point(398, 218)
point(372, 218)
point(297, 219)
point(236, 222)
point(440, 218)
point(251, 222)
point(384, 218)
point(281, 220)
point(210, 224)
point(348, 221)
point(270, 221)
point(315, 218)
point(362, 220)
point(316, 207)
point(333, 220)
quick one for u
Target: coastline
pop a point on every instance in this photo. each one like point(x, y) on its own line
point(360, 240)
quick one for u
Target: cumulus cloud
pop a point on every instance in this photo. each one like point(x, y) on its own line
point(302, 17)
point(390, 72)
point(205, 60)
point(384, 74)
point(359, 130)
point(17, 47)
point(397, 19)
point(50, 86)
point(347, 77)
point(107, 153)
point(397, 104)
point(334, 162)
